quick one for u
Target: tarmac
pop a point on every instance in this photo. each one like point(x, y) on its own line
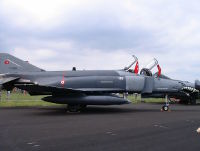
point(139, 127)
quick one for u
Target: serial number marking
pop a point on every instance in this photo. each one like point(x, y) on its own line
point(162, 88)
point(106, 81)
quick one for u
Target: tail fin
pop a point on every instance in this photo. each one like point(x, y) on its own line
point(11, 64)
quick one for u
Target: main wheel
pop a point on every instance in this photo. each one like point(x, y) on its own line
point(75, 108)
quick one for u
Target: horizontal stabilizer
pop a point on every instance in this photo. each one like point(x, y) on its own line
point(6, 80)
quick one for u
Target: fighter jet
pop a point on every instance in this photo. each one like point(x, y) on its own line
point(79, 88)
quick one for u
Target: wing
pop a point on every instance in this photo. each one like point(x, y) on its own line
point(35, 89)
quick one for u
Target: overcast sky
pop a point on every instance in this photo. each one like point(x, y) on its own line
point(103, 34)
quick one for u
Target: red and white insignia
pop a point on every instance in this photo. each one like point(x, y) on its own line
point(6, 62)
point(62, 82)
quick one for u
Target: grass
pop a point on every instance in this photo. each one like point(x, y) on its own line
point(25, 103)
point(18, 99)
point(138, 99)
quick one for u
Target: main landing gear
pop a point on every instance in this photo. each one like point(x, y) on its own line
point(75, 108)
point(166, 106)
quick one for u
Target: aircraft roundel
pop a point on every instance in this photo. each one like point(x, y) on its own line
point(62, 82)
point(6, 62)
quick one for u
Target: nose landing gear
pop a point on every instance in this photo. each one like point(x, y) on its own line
point(166, 106)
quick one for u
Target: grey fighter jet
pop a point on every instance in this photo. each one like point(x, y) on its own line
point(78, 88)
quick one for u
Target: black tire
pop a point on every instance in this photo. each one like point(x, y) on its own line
point(165, 108)
point(75, 108)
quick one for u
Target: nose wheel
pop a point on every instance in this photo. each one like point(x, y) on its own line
point(166, 106)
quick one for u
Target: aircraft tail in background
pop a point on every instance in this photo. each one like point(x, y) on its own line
point(11, 64)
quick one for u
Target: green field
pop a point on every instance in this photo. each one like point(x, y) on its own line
point(138, 99)
point(17, 99)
